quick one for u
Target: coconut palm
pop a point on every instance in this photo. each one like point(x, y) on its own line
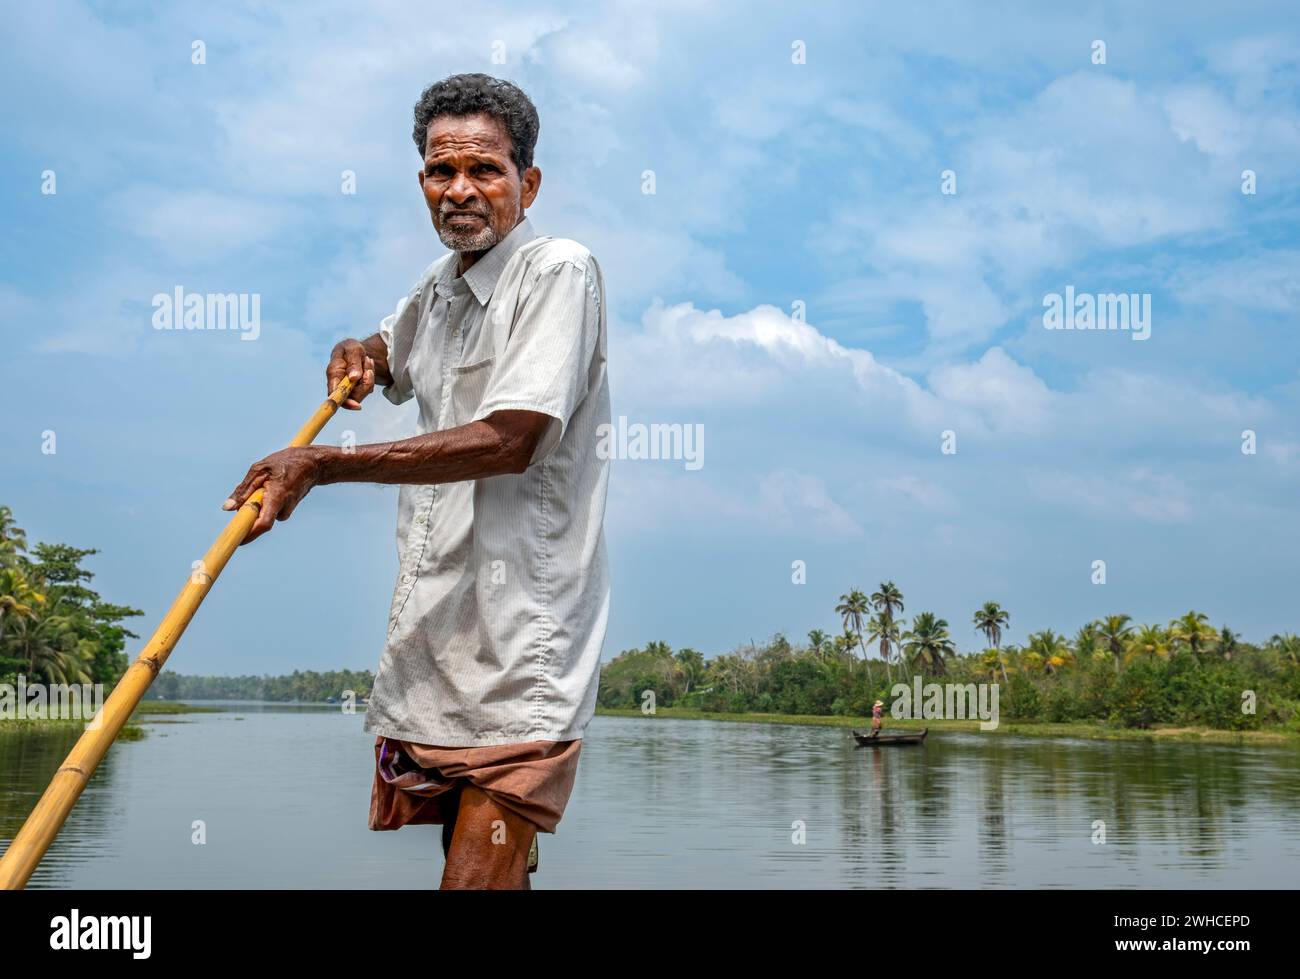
point(1194, 631)
point(1052, 650)
point(1287, 646)
point(1150, 641)
point(854, 609)
point(18, 597)
point(991, 620)
point(1227, 643)
point(691, 667)
point(843, 645)
point(929, 642)
point(817, 641)
point(1114, 631)
point(12, 539)
point(884, 630)
point(53, 648)
point(1087, 644)
point(994, 662)
point(888, 602)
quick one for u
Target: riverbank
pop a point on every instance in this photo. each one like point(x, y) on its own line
point(131, 731)
point(1094, 732)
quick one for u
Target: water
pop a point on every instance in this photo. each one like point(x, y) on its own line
point(284, 794)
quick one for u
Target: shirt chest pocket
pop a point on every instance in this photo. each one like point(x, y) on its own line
point(468, 384)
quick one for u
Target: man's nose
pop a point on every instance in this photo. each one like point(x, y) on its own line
point(460, 188)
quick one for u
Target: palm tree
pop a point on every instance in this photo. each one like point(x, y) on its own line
point(991, 620)
point(690, 667)
point(817, 641)
point(1194, 630)
point(1287, 646)
point(888, 602)
point(929, 642)
point(843, 645)
point(853, 609)
point(1085, 642)
point(53, 648)
point(12, 539)
point(1149, 640)
point(1114, 630)
point(1052, 649)
point(1227, 642)
point(884, 631)
point(991, 660)
point(18, 599)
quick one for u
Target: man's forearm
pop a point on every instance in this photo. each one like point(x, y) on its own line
point(500, 445)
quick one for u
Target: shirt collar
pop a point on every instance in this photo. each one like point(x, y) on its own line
point(482, 276)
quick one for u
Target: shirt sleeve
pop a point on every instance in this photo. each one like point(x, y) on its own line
point(546, 363)
point(397, 330)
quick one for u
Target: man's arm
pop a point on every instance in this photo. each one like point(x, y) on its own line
point(504, 442)
point(501, 443)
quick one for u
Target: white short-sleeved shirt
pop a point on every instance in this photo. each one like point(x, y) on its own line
point(502, 597)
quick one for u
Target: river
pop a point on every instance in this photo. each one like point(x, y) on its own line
point(282, 793)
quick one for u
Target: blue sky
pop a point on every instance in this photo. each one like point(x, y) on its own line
point(776, 184)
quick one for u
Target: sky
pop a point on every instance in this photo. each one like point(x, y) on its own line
point(859, 211)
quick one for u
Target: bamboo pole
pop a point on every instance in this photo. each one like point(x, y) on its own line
point(29, 846)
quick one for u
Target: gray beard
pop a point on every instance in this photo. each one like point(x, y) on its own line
point(469, 241)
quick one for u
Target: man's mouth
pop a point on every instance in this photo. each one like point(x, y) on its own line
point(462, 215)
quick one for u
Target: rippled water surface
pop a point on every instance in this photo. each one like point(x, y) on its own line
point(283, 792)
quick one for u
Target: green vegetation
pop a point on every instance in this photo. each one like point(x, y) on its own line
point(53, 628)
point(299, 687)
point(1090, 731)
point(1188, 675)
point(1113, 672)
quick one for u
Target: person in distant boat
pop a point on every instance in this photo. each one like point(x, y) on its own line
point(876, 708)
point(488, 679)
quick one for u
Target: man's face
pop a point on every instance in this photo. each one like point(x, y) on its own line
point(474, 193)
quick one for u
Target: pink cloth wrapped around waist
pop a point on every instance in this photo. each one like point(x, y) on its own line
point(413, 782)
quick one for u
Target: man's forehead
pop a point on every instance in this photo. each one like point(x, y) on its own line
point(451, 134)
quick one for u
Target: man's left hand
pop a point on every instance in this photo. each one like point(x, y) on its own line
point(285, 477)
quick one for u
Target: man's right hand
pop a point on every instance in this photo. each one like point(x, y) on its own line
point(354, 358)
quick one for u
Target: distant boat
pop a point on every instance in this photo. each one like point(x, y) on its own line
point(867, 739)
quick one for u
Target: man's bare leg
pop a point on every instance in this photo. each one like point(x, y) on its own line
point(474, 860)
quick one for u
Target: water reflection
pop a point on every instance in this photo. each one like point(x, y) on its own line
point(666, 803)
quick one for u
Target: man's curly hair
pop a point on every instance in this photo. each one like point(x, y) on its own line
point(470, 94)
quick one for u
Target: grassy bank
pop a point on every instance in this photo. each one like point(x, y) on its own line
point(130, 732)
point(1096, 732)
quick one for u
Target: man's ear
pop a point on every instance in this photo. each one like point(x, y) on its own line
point(531, 184)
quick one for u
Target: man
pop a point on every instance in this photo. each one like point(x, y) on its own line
point(488, 679)
point(876, 722)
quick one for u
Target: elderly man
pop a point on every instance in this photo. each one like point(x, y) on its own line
point(488, 679)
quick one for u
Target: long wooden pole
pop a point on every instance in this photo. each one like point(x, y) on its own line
point(29, 846)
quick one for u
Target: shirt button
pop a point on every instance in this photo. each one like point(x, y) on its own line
point(420, 519)
point(408, 578)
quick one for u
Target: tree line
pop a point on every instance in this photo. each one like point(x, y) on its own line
point(55, 628)
point(1112, 670)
